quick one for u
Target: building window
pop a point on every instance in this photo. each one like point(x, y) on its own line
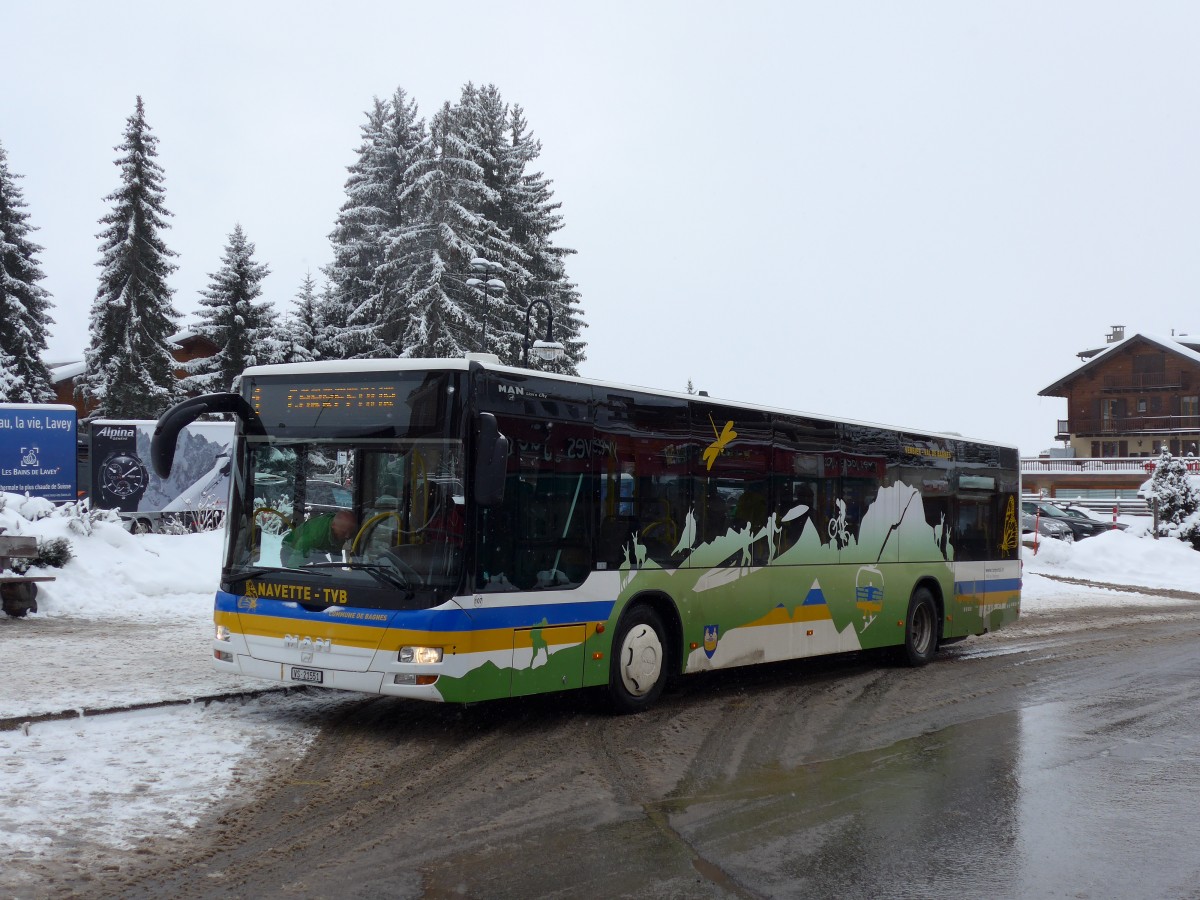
point(1189, 406)
point(1141, 405)
point(1110, 410)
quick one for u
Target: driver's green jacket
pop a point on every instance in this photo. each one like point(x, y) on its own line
point(312, 536)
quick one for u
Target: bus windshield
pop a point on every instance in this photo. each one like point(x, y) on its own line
point(384, 514)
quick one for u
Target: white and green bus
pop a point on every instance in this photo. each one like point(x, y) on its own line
point(459, 530)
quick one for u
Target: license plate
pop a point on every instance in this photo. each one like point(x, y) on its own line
point(309, 676)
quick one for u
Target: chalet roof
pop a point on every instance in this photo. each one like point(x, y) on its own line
point(1170, 344)
point(190, 335)
point(64, 369)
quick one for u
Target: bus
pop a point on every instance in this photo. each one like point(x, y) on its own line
point(500, 532)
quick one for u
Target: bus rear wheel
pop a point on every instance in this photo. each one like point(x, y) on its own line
point(638, 667)
point(920, 628)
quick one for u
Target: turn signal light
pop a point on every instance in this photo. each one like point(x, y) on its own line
point(405, 678)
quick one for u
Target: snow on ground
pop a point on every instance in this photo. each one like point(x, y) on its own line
point(1115, 557)
point(128, 621)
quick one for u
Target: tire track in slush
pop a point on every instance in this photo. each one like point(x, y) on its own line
point(728, 716)
point(337, 801)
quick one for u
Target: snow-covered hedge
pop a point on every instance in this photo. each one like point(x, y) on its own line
point(16, 510)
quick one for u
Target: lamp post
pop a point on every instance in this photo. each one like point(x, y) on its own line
point(485, 267)
point(547, 350)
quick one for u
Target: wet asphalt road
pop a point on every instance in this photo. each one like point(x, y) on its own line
point(1060, 758)
point(1088, 787)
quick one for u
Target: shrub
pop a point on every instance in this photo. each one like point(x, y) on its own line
point(1177, 499)
point(54, 553)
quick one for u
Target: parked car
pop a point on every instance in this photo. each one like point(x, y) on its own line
point(327, 496)
point(1082, 512)
point(1080, 528)
point(1046, 527)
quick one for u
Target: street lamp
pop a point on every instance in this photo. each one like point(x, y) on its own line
point(481, 266)
point(547, 350)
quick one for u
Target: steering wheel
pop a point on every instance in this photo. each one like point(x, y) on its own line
point(255, 528)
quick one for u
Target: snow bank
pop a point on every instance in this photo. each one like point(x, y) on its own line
point(115, 574)
point(1120, 557)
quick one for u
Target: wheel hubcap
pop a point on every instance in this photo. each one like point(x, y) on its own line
point(641, 660)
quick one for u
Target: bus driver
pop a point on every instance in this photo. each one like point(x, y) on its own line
point(326, 533)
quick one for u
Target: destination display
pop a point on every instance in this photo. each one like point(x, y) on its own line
point(398, 402)
point(309, 399)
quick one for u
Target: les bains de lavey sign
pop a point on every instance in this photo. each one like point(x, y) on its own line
point(38, 450)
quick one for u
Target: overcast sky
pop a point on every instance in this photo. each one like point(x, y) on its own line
point(909, 213)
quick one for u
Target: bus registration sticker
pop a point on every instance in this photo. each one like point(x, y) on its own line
point(309, 676)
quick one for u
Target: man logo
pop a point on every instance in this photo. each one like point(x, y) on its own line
point(710, 639)
point(307, 644)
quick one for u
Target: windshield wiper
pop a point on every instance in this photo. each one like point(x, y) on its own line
point(387, 574)
point(272, 570)
point(253, 573)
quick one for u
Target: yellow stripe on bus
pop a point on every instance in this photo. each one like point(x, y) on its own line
point(391, 640)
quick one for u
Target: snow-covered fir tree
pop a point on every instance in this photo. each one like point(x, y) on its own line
point(24, 304)
point(331, 328)
point(1177, 498)
point(433, 201)
point(365, 283)
point(233, 318)
point(130, 372)
point(525, 209)
point(535, 219)
point(439, 235)
point(302, 324)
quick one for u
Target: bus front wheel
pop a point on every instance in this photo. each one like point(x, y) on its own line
point(920, 628)
point(638, 668)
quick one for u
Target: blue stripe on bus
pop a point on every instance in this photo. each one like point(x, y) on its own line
point(430, 619)
point(988, 586)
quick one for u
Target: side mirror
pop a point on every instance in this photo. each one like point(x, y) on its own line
point(179, 416)
point(491, 461)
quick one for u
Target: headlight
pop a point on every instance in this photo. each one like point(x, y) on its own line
point(421, 655)
point(223, 633)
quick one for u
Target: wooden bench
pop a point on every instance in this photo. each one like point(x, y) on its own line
point(18, 593)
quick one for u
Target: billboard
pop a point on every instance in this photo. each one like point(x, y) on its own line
point(37, 450)
point(123, 480)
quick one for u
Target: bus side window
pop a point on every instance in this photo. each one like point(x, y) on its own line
point(973, 533)
point(540, 537)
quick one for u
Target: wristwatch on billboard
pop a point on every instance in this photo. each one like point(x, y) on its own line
point(123, 480)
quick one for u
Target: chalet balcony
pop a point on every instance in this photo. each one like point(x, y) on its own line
point(1096, 466)
point(1145, 381)
point(1112, 425)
